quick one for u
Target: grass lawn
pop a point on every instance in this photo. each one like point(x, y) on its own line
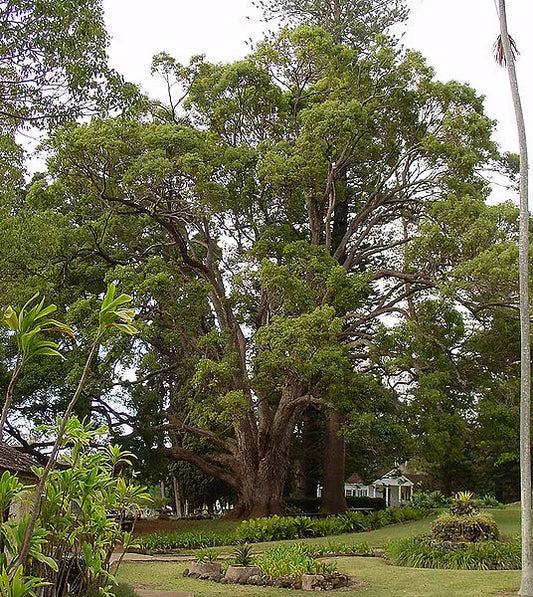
point(384, 581)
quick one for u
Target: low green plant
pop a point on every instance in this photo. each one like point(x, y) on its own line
point(461, 528)
point(293, 560)
point(424, 552)
point(243, 556)
point(463, 504)
point(433, 499)
point(277, 528)
point(206, 555)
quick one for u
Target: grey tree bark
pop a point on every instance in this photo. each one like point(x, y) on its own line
point(526, 587)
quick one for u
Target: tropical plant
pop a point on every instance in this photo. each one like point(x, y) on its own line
point(28, 327)
point(243, 555)
point(206, 555)
point(293, 560)
point(74, 538)
point(463, 504)
point(424, 552)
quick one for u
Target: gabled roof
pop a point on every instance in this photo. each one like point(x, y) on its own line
point(16, 462)
point(354, 479)
point(417, 477)
point(393, 477)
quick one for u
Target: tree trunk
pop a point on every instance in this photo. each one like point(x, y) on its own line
point(333, 499)
point(526, 587)
point(311, 454)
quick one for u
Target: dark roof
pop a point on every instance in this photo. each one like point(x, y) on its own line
point(417, 478)
point(17, 462)
point(354, 478)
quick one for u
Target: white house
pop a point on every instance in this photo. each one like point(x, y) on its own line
point(393, 486)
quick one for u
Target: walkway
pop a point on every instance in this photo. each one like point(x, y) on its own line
point(143, 593)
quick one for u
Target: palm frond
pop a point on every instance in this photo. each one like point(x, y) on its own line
point(499, 54)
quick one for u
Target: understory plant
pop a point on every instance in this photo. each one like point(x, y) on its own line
point(243, 556)
point(422, 552)
point(64, 545)
point(462, 538)
point(278, 528)
point(74, 537)
point(293, 560)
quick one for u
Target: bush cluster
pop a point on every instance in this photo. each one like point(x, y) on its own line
point(313, 505)
point(278, 528)
point(425, 552)
point(465, 527)
point(293, 560)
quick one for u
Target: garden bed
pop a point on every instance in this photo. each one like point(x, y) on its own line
point(252, 575)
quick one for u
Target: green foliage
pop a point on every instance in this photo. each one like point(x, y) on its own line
point(243, 555)
point(425, 553)
point(463, 504)
point(113, 314)
point(206, 556)
point(30, 323)
point(430, 499)
point(292, 560)
point(73, 525)
point(19, 586)
point(461, 528)
point(278, 528)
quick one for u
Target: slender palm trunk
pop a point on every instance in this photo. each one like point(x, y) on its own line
point(526, 587)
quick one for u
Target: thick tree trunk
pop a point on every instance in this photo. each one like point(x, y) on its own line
point(255, 465)
point(333, 499)
point(311, 454)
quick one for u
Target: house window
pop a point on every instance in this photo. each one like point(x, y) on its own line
point(348, 493)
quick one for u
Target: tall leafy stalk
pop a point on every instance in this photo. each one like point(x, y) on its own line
point(112, 315)
point(506, 55)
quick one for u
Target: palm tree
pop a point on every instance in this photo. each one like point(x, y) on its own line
point(505, 54)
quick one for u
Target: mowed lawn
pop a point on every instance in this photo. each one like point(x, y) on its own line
point(383, 579)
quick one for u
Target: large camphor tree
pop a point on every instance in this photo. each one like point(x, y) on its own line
point(263, 225)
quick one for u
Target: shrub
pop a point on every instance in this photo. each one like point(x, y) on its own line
point(302, 504)
point(74, 537)
point(332, 525)
point(364, 501)
point(276, 528)
point(206, 555)
point(353, 522)
point(433, 499)
point(273, 528)
point(293, 560)
point(424, 552)
point(243, 556)
point(473, 528)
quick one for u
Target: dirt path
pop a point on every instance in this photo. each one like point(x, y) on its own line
point(143, 593)
point(142, 557)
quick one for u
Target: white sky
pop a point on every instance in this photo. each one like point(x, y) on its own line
point(456, 37)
